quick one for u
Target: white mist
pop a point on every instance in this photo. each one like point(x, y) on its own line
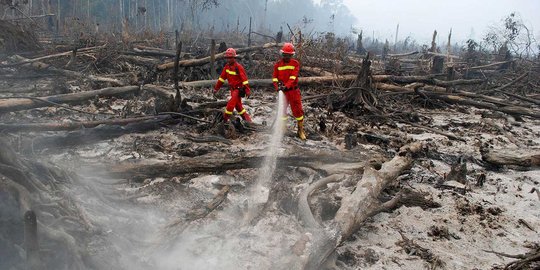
point(261, 189)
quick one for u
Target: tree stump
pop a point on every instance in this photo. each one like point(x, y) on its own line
point(437, 64)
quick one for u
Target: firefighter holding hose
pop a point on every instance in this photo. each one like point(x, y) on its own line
point(285, 78)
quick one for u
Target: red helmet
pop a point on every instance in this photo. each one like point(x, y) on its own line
point(230, 52)
point(288, 48)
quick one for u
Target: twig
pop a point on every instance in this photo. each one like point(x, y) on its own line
point(273, 38)
point(500, 88)
point(292, 33)
point(520, 97)
point(526, 224)
point(186, 116)
point(504, 254)
point(449, 135)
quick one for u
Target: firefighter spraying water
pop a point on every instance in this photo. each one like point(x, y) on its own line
point(286, 72)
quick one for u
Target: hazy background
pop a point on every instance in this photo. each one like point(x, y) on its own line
point(376, 18)
point(418, 18)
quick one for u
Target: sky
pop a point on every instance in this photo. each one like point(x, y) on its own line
point(418, 18)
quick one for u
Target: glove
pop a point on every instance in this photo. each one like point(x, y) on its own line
point(276, 87)
point(248, 92)
point(214, 93)
point(280, 87)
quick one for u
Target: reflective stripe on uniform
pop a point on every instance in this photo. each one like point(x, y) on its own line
point(242, 112)
point(300, 118)
point(230, 72)
point(227, 112)
point(221, 79)
point(292, 77)
point(286, 67)
point(245, 82)
point(274, 79)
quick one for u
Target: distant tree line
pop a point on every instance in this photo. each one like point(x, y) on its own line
point(169, 15)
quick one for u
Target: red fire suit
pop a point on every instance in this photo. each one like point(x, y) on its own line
point(236, 75)
point(287, 73)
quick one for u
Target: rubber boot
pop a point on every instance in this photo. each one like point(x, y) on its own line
point(226, 117)
point(247, 118)
point(301, 133)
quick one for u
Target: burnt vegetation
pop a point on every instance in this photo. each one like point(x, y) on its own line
point(106, 107)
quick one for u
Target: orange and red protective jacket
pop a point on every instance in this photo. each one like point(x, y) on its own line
point(287, 73)
point(235, 74)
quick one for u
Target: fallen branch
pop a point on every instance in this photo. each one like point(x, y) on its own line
point(93, 135)
point(138, 60)
point(403, 54)
point(518, 156)
point(28, 61)
point(52, 103)
point(530, 260)
point(490, 65)
point(317, 71)
point(40, 66)
point(150, 51)
point(217, 163)
point(17, 104)
point(502, 87)
point(187, 116)
point(534, 101)
point(513, 110)
point(442, 54)
point(358, 206)
point(206, 60)
point(424, 79)
point(343, 79)
point(436, 131)
point(55, 126)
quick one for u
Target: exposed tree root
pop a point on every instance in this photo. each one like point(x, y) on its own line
point(358, 206)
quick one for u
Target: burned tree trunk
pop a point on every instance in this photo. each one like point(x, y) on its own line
point(177, 98)
point(355, 208)
point(433, 48)
point(517, 157)
point(206, 60)
point(513, 110)
point(360, 91)
point(360, 79)
point(23, 103)
point(437, 64)
point(359, 46)
point(55, 126)
point(221, 163)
